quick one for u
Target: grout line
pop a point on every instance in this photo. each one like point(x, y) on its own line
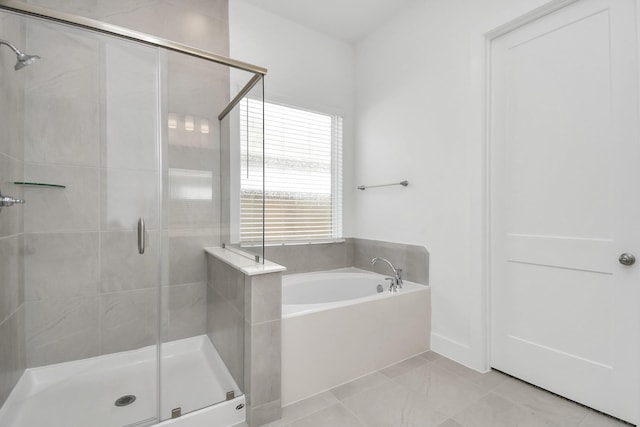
point(8, 156)
point(62, 231)
point(99, 288)
point(10, 236)
point(13, 313)
point(86, 166)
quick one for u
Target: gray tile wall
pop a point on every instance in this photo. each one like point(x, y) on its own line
point(170, 19)
point(412, 259)
point(263, 347)
point(311, 257)
point(12, 347)
point(91, 109)
point(244, 324)
point(225, 315)
point(12, 353)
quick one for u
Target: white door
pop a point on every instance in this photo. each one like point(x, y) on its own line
point(565, 204)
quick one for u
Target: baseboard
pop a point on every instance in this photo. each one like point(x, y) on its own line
point(455, 350)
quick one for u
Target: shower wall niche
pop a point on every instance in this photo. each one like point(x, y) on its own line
point(116, 147)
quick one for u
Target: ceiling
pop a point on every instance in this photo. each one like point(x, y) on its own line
point(348, 20)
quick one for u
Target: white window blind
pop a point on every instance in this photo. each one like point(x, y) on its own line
point(302, 161)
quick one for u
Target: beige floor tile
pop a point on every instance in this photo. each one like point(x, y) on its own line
point(356, 386)
point(551, 407)
point(390, 405)
point(488, 381)
point(440, 390)
point(495, 411)
point(333, 416)
point(596, 419)
point(452, 366)
point(450, 423)
point(305, 407)
point(404, 366)
point(432, 391)
point(431, 356)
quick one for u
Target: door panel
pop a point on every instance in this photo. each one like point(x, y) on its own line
point(563, 148)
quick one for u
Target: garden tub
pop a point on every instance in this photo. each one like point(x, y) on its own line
point(338, 326)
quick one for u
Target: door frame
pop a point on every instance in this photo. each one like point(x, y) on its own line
point(483, 210)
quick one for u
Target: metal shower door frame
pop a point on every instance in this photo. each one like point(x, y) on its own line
point(140, 37)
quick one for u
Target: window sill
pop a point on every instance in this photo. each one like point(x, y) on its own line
point(297, 243)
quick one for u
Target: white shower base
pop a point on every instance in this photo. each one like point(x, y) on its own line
point(82, 393)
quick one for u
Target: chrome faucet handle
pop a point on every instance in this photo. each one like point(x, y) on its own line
point(6, 201)
point(10, 201)
point(399, 274)
point(393, 286)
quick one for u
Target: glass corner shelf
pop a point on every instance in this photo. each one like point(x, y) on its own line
point(39, 184)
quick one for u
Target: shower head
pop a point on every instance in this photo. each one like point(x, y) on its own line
point(23, 58)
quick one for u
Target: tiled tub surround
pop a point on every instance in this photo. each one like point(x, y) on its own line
point(353, 252)
point(412, 259)
point(244, 318)
point(326, 344)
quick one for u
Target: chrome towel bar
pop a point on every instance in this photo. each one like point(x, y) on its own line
point(364, 187)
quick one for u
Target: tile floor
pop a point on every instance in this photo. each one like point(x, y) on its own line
point(430, 390)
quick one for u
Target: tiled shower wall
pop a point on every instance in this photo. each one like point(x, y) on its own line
point(12, 352)
point(87, 292)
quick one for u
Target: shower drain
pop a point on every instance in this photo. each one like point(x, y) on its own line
point(125, 400)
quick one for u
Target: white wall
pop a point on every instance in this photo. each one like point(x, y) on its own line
point(306, 69)
point(419, 117)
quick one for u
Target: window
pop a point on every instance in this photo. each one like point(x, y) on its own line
point(302, 160)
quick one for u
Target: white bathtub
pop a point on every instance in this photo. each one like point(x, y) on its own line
point(337, 327)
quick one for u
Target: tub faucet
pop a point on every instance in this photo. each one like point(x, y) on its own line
point(396, 281)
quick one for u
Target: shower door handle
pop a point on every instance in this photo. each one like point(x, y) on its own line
point(142, 241)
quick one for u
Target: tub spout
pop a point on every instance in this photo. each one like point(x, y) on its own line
point(396, 280)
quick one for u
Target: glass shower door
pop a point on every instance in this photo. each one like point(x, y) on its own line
point(91, 269)
point(131, 229)
point(203, 335)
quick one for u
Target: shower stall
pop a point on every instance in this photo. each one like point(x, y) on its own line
point(123, 148)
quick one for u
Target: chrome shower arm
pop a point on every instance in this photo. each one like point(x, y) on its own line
point(23, 58)
point(13, 48)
